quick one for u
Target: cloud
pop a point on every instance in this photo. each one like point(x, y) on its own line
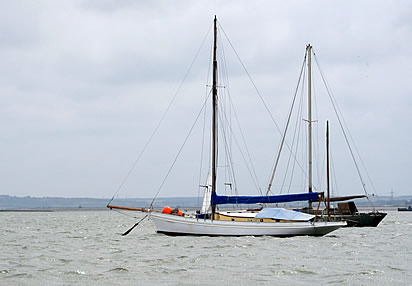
point(84, 83)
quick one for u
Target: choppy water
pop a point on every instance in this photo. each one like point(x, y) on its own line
point(86, 248)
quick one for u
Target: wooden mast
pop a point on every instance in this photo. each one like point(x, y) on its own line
point(214, 116)
point(309, 52)
point(327, 167)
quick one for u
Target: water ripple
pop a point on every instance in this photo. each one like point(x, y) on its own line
point(118, 269)
point(68, 248)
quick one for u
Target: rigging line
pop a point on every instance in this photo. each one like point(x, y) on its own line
point(232, 108)
point(245, 145)
point(296, 131)
point(223, 102)
point(287, 165)
point(324, 162)
point(305, 148)
point(341, 125)
point(356, 149)
point(315, 139)
point(336, 108)
point(179, 152)
point(204, 126)
point(289, 158)
point(162, 118)
point(231, 172)
point(250, 78)
point(286, 128)
point(118, 211)
point(256, 89)
point(243, 157)
point(317, 152)
point(201, 154)
point(227, 100)
point(228, 114)
point(299, 115)
point(334, 175)
point(228, 151)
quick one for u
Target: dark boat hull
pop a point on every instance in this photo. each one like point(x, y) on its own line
point(371, 219)
point(349, 212)
point(353, 218)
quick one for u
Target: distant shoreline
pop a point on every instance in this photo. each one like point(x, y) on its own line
point(50, 204)
point(74, 209)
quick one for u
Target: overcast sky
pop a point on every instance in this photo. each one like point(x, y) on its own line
point(84, 83)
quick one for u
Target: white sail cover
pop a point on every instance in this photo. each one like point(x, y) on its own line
point(283, 214)
point(207, 196)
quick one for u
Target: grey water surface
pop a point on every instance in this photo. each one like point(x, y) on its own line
point(86, 248)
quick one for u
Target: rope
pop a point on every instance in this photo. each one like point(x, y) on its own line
point(333, 172)
point(257, 90)
point(316, 149)
point(161, 119)
point(286, 128)
point(337, 112)
point(297, 131)
point(122, 213)
point(228, 152)
point(248, 161)
point(251, 80)
point(204, 129)
point(254, 176)
point(332, 99)
point(179, 152)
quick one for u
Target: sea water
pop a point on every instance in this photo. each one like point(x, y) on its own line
point(86, 248)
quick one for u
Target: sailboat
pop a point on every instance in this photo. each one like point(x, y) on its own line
point(267, 221)
point(346, 210)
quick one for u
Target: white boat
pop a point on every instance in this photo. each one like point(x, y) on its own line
point(268, 221)
point(177, 225)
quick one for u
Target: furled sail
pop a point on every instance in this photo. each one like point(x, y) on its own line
point(207, 196)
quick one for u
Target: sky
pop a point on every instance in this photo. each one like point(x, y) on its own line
point(84, 83)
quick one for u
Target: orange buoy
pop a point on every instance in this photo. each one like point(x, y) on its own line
point(167, 210)
point(180, 213)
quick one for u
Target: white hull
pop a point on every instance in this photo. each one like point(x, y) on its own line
point(177, 225)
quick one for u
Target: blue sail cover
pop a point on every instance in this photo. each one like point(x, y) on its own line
point(221, 200)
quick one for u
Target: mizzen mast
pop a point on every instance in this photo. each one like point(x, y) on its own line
point(328, 167)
